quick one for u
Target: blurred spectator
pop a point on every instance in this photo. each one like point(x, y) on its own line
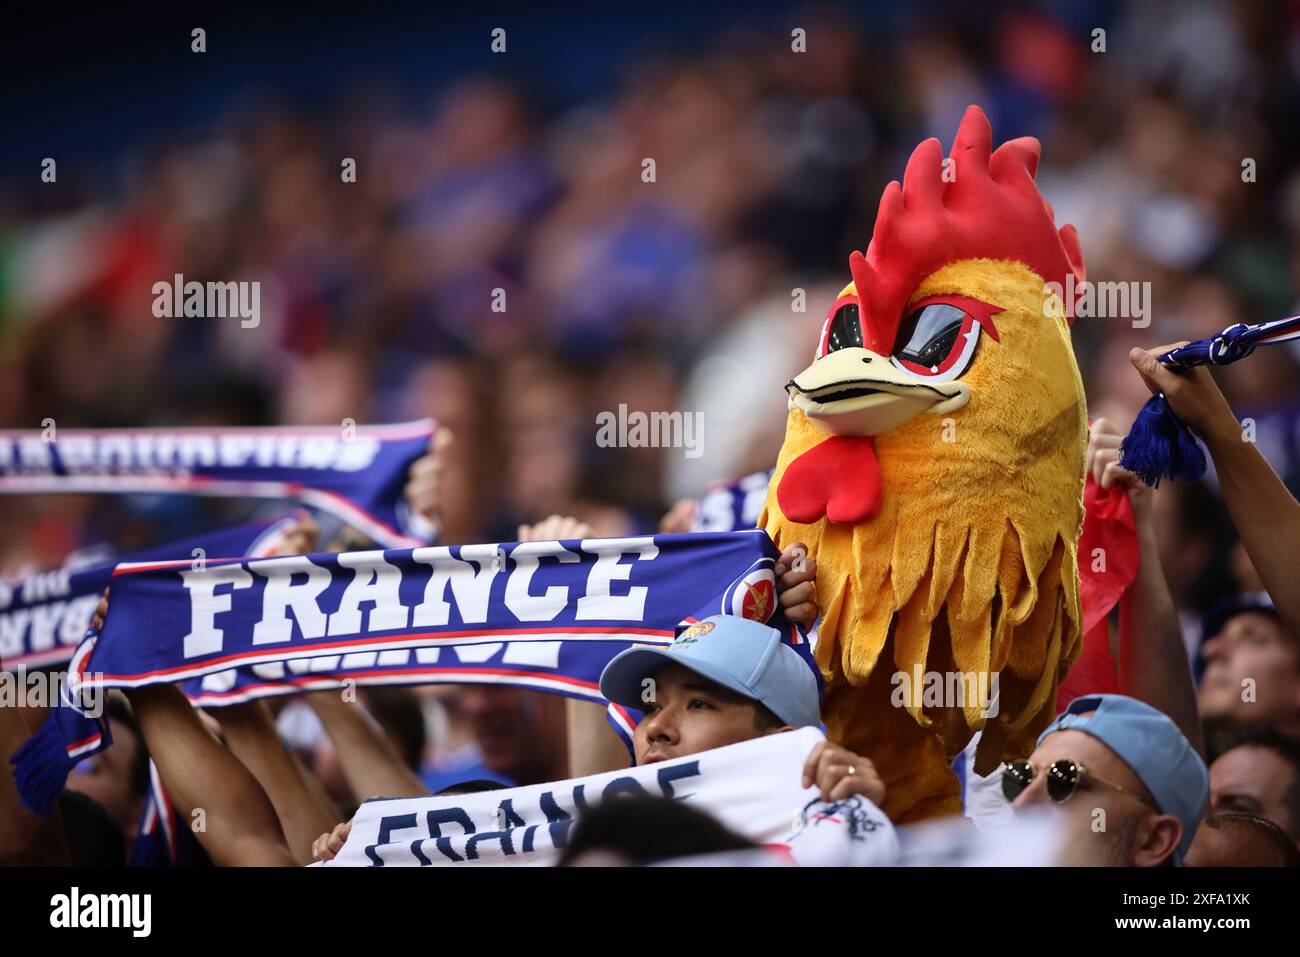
point(1236, 839)
point(518, 738)
point(1252, 668)
point(1259, 774)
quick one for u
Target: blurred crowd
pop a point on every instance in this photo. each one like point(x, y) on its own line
point(511, 268)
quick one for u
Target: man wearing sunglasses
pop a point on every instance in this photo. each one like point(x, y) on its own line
point(1129, 786)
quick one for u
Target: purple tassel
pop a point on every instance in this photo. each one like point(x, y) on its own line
point(1160, 446)
point(41, 768)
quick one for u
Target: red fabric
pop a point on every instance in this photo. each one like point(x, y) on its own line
point(1107, 525)
point(838, 478)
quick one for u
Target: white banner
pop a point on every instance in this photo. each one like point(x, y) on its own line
point(754, 788)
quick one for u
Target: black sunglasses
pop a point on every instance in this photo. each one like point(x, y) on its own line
point(1063, 779)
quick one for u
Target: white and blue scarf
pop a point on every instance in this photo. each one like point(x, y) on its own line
point(356, 474)
point(730, 506)
point(754, 788)
point(43, 617)
point(541, 615)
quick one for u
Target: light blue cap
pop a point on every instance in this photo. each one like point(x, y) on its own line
point(742, 655)
point(1151, 744)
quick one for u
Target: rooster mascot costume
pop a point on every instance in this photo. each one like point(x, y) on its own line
point(934, 462)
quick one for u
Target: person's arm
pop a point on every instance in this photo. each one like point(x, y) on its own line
point(301, 805)
point(25, 839)
point(1267, 516)
point(299, 801)
point(1151, 661)
point(370, 762)
point(240, 826)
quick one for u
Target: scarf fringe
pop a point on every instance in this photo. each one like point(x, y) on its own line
point(1160, 446)
point(41, 768)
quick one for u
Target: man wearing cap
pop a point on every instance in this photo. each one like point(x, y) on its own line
point(1129, 786)
point(725, 680)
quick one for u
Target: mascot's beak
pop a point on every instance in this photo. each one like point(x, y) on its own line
point(859, 392)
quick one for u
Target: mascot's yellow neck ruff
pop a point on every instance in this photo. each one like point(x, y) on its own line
point(978, 522)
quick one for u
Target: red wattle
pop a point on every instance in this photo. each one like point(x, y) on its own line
point(838, 479)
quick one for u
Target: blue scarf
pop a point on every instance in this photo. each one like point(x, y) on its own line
point(540, 615)
point(44, 617)
point(733, 505)
point(355, 474)
point(73, 732)
point(1158, 444)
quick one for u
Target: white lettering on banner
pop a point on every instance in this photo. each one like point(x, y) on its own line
point(599, 604)
point(234, 450)
point(56, 623)
point(472, 589)
point(372, 601)
point(532, 654)
point(13, 625)
point(35, 453)
point(754, 787)
point(282, 595)
point(204, 637)
point(77, 452)
point(44, 620)
point(536, 654)
point(374, 582)
point(356, 455)
point(526, 606)
point(46, 585)
point(477, 654)
point(76, 619)
point(147, 453)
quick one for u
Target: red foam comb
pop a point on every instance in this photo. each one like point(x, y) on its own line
point(989, 208)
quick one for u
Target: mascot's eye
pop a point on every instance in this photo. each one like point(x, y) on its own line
point(936, 342)
point(843, 330)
